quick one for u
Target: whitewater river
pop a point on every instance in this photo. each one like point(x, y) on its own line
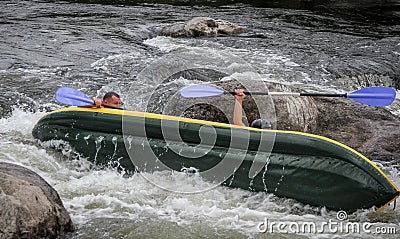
point(96, 48)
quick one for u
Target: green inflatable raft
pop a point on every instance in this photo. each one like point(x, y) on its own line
point(309, 168)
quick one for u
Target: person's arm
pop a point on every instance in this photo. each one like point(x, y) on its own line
point(237, 112)
point(97, 104)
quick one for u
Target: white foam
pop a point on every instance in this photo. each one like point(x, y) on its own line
point(166, 44)
point(20, 122)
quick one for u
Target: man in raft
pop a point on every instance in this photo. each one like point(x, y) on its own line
point(110, 99)
point(237, 113)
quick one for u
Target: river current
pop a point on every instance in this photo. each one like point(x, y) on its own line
point(95, 48)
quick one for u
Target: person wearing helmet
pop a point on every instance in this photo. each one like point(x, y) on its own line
point(261, 124)
point(237, 113)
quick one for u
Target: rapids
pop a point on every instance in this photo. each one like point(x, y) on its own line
point(96, 48)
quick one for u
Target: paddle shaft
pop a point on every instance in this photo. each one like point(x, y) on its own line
point(373, 96)
point(290, 94)
point(111, 107)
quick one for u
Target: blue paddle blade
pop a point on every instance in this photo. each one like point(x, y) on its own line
point(194, 91)
point(374, 96)
point(70, 96)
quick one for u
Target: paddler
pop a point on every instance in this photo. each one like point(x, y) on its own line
point(237, 113)
point(110, 99)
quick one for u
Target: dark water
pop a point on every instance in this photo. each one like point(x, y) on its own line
point(95, 48)
point(57, 43)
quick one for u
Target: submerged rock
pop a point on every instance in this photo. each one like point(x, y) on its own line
point(29, 206)
point(201, 27)
point(373, 131)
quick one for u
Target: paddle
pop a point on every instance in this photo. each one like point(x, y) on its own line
point(70, 96)
point(374, 96)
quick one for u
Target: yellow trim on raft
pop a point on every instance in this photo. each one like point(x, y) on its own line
point(387, 204)
point(188, 120)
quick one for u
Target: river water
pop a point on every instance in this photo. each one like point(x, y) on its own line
point(96, 48)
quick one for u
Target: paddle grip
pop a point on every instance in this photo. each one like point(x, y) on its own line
point(290, 94)
point(249, 93)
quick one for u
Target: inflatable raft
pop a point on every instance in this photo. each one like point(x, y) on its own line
point(309, 168)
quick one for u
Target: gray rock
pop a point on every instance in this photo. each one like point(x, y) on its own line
point(373, 131)
point(201, 27)
point(29, 206)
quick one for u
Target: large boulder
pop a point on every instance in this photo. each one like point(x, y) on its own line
point(371, 130)
point(29, 206)
point(201, 27)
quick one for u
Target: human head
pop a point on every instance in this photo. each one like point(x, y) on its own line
point(261, 124)
point(112, 98)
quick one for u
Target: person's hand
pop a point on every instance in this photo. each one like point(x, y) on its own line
point(239, 94)
point(97, 103)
